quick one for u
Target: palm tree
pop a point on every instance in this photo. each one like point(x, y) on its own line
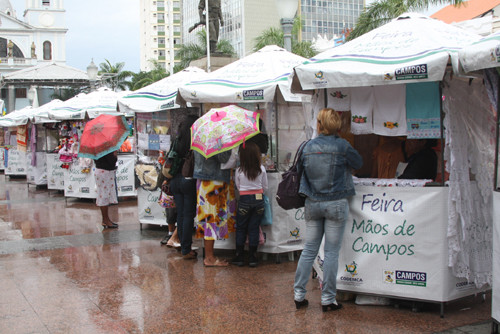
point(143, 79)
point(275, 36)
point(64, 94)
point(381, 12)
point(189, 52)
point(113, 76)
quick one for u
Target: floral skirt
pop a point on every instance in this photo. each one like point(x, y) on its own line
point(106, 187)
point(215, 210)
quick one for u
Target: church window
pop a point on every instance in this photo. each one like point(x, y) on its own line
point(21, 93)
point(47, 50)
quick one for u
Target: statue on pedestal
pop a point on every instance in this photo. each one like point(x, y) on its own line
point(33, 49)
point(10, 48)
point(214, 17)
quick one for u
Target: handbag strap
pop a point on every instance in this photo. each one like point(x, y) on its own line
point(298, 154)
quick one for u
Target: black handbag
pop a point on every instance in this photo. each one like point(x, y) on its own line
point(188, 166)
point(288, 196)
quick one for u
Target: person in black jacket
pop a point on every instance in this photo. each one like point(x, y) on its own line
point(105, 177)
point(421, 158)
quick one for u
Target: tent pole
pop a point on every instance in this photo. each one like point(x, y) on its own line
point(277, 131)
point(441, 112)
point(495, 185)
point(325, 97)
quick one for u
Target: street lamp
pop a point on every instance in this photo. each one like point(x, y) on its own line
point(286, 11)
point(92, 74)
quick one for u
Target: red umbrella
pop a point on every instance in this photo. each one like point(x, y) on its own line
point(102, 135)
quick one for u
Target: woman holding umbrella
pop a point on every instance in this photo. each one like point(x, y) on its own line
point(105, 177)
point(100, 141)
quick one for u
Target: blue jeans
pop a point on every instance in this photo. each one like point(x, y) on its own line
point(248, 217)
point(326, 218)
point(184, 191)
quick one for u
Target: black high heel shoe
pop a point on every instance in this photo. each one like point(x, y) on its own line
point(332, 307)
point(300, 304)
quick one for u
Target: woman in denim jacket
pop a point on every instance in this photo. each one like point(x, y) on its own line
point(327, 162)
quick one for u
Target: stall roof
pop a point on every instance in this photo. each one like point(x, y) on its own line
point(48, 73)
point(466, 11)
point(411, 48)
point(484, 53)
point(160, 95)
point(252, 79)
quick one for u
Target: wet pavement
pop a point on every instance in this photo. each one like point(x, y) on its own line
point(60, 272)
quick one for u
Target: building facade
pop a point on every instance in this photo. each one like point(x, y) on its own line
point(38, 39)
point(328, 18)
point(160, 33)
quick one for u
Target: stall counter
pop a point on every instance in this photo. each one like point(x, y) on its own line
point(16, 162)
point(395, 245)
point(37, 175)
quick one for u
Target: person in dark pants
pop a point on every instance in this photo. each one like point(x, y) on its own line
point(251, 180)
point(184, 190)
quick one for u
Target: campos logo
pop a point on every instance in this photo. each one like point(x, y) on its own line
point(295, 233)
point(389, 276)
point(411, 72)
point(351, 271)
point(411, 278)
point(256, 94)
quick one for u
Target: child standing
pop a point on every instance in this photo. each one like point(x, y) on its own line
point(251, 181)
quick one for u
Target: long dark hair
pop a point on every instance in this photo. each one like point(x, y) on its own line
point(249, 154)
point(184, 135)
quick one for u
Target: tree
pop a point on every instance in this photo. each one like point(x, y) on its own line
point(189, 52)
point(275, 36)
point(381, 12)
point(113, 76)
point(64, 94)
point(143, 79)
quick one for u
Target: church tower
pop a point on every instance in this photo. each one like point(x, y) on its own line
point(49, 17)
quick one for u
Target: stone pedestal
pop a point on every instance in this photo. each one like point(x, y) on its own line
point(216, 61)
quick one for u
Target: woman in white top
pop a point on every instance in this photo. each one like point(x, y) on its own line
point(251, 181)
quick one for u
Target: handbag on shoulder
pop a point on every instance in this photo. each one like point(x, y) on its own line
point(188, 166)
point(288, 196)
point(173, 162)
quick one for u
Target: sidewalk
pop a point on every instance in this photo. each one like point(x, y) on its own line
point(61, 273)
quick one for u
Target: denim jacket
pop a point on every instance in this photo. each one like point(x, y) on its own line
point(209, 169)
point(326, 163)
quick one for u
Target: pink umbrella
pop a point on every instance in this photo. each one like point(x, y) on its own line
point(222, 129)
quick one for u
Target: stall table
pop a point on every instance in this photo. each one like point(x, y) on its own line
point(395, 245)
point(16, 163)
point(37, 175)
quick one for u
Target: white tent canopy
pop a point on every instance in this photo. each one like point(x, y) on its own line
point(481, 54)
point(254, 78)
point(102, 101)
point(411, 48)
point(160, 95)
point(17, 117)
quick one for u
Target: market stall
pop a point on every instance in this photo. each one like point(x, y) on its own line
point(259, 82)
point(77, 178)
point(483, 56)
point(16, 140)
point(156, 114)
point(385, 81)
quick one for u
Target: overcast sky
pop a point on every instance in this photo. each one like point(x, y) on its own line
point(105, 29)
point(99, 29)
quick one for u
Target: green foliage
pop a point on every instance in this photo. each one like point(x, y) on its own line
point(381, 12)
point(189, 52)
point(113, 76)
point(275, 36)
point(64, 94)
point(143, 79)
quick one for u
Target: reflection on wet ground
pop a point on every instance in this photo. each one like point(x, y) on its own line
point(61, 273)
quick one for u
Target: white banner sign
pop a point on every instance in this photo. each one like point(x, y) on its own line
point(79, 184)
point(286, 234)
point(395, 244)
point(149, 211)
point(16, 162)
point(55, 174)
point(495, 307)
point(37, 174)
point(2, 158)
point(125, 175)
